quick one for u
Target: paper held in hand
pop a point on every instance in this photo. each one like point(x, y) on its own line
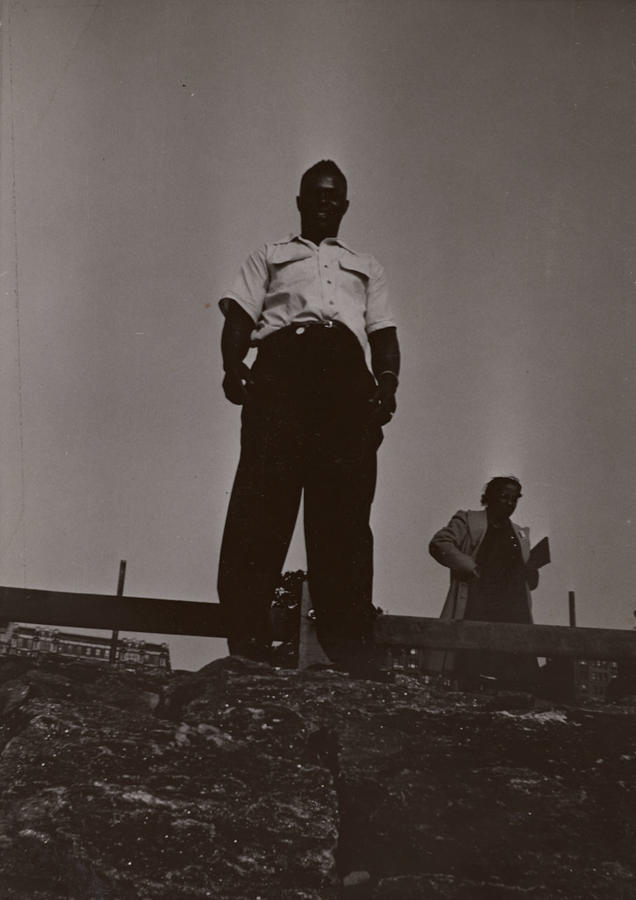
point(540, 554)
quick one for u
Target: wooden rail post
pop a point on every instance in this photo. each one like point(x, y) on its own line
point(120, 593)
point(310, 652)
point(572, 608)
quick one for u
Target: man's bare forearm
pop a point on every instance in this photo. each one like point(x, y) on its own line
point(385, 354)
point(235, 342)
point(385, 363)
point(235, 339)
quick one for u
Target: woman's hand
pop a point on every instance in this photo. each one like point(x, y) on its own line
point(532, 577)
point(469, 571)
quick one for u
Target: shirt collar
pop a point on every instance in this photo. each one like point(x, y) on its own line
point(297, 237)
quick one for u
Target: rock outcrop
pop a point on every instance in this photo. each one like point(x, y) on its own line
point(242, 782)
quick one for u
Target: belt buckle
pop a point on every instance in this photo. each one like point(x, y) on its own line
point(329, 323)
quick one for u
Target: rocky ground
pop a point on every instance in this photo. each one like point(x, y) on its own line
point(242, 782)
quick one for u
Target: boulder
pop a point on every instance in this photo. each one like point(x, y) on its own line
point(241, 782)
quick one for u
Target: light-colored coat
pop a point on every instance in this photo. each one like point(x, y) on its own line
point(455, 546)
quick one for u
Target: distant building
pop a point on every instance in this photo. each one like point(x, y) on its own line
point(26, 640)
point(414, 661)
point(572, 680)
point(592, 676)
point(578, 680)
point(411, 660)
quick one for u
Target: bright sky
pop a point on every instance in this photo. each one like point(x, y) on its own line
point(149, 145)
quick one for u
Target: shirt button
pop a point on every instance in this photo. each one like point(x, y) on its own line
point(328, 282)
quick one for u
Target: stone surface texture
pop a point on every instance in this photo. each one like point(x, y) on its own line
point(242, 782)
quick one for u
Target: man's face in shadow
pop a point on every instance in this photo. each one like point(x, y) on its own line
point(322, 203)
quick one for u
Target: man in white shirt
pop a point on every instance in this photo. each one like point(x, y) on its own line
point(311, 422)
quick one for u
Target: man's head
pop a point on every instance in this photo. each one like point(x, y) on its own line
point(322, 201)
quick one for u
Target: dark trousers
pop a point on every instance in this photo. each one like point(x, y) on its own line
point(304, 428)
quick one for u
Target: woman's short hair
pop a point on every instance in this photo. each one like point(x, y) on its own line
point(495, 484)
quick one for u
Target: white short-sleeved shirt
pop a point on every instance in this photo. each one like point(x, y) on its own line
point(293, 281)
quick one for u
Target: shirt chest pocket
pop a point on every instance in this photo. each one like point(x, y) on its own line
point(290, 266)
point(354, 277)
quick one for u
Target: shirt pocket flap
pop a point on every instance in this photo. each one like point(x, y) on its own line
point(351, 263)
point(287, 253)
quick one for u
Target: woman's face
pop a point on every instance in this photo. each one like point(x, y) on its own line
point(503, 501)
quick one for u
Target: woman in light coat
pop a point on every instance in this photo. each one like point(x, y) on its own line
point(491, 581)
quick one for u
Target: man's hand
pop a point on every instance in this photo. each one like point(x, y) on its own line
point(236, 383)
point(385, 363)
point(382, 404)
point(235, 342)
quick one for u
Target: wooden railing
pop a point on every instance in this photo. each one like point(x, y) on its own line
point(535, 640)
point(184, 617)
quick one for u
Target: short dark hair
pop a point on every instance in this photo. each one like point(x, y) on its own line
point(496, 484)
point(324, 167)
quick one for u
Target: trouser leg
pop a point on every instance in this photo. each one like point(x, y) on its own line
point(338, 496)
point(260, 521)
point(340, 481)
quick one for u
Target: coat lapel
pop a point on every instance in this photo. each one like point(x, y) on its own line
point(477, 525)
point(523, 536)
